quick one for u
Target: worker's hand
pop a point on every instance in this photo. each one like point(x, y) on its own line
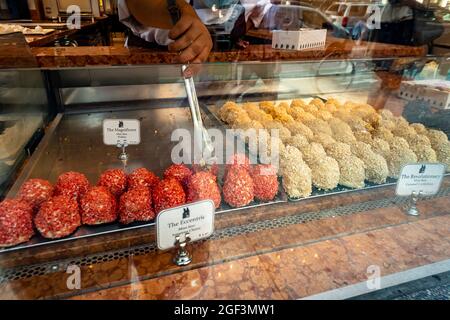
point(191, 38)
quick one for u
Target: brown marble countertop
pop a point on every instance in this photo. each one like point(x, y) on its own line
point(283, 251)
point(107, 56)
point(49, 39)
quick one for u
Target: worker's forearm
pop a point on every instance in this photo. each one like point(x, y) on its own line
point(152, 13)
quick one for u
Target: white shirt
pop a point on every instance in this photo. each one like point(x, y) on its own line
point(254, 10)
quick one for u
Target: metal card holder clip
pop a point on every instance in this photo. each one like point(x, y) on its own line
point(412, 209)
point(183, 257)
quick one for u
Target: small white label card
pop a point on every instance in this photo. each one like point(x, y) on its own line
point(197, 219)
point(420, 177)
point(121, 131)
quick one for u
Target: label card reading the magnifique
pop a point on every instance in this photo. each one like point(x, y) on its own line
point(121, 132)
point(420, 177)
point(197, 219)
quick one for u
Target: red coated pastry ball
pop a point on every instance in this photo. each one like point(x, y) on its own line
point(179, 172)
point(202, 186)
point(237, 160)
point(72, 184)
point(168, 193)
point(238, 187)
point(211, 168)
point(16, 222)
point(265, 182)
point(58, 217)
point(115, 180)
point(142, 178)
point(98, 206)
point(35, 191)
point(136, 205)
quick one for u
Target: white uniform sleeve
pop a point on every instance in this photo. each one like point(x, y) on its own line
point(159, 36)
point(252, 7)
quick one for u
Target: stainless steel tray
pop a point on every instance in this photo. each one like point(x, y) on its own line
point(212, 111)
point(74, 142)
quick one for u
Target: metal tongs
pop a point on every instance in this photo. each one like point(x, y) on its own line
point(202, 139)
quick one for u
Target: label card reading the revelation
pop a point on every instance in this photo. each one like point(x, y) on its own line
point(420, 177)
point(121, 131)
point(197, 219)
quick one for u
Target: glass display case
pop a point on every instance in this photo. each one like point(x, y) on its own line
point(335, 135)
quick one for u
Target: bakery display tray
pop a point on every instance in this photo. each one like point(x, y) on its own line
point(212, 111)
point(74, 142)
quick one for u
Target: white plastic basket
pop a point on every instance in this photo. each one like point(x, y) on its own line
point(302, 39)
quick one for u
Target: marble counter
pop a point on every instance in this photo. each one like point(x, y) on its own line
point(54, 57)
point(283, 251)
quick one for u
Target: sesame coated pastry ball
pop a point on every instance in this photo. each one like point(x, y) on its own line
point(363, 136)
point(387, 123)
point(299, 141)
point(58, 217)
point(115, 180)
point(312, 152)
point(437, 137)
point(399, 142)
point(420, 128)
point(351, 168)
point(136, 205)
point(284, 106)
point(341, 130)
point(386, 114)
point(229, 112)
point(311, 108)
point(317, 102)
point(319, 126)
point(255, 113)
point(398, 157)
point(299, 128)
point(323, 115)
point(16, 222)
point(252, 124)
point(323, 139)
point(283, 133)
point(325, 173)
point(265, 182)
point(238, 187)
point(334, 101)
point(339, 150)
point(324, 170)
point(203, 186)
point(300, 115)
point(168, 193)
point(98, 206)
point(35, 192)
point(297, 180)
point(403, 130)
point(298, 103)
point(421, 146)
point(380, 146)
point(330, 107)
point(240, 120)
point(73, 184)
point(142, 177)
point(443, 153)
point(376, 168)
point(383, 133)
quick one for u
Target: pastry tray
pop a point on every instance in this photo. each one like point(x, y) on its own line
point(212, 111)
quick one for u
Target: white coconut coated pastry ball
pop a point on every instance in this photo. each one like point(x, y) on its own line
point(376, 168)
point(297, 180)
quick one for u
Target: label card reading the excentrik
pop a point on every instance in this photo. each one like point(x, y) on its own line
point(121, 131)
point(420, 177)
point(197, 219)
